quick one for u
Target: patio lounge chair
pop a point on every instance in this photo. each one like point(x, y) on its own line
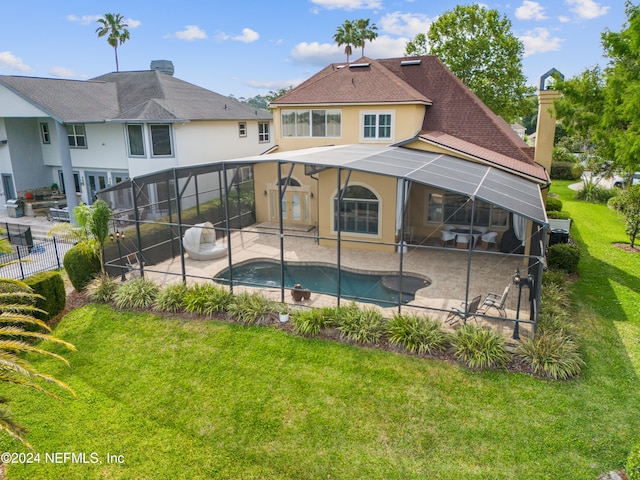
point(199, 242)
point(494, 300)
point(458, 314)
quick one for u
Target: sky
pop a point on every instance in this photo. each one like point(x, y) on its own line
point(249, 48)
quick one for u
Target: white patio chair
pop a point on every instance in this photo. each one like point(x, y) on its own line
point(489, 240)
point(446, 237)
point(462, 240)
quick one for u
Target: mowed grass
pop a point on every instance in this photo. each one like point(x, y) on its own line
point(199, 399)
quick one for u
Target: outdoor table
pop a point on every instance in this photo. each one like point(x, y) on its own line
point(475, 234)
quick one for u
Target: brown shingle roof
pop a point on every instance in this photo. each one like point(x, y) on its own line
point(454, 110)
point(364, 81)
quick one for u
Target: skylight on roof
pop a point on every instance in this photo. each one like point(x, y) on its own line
point(357, 65)
point(404, 63)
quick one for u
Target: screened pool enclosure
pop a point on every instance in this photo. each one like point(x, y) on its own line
point(352, 210)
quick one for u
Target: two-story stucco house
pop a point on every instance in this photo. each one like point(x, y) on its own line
point(88, 135)
point(405, 107)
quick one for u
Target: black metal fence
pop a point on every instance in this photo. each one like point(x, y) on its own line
point(29, 256)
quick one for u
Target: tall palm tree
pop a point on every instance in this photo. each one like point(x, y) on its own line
point(111, 25)
point(365, 32)
point(347, 35)
point(17, 312)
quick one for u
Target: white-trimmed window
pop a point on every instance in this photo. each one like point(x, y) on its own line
point(359, 211)
point(76, 135)
point(377, 126)
point(44, 132)
point(455, 209)
point(161, 140)
point(311, 123)
point(242, 129)
point(263, 132)
point(135, 139)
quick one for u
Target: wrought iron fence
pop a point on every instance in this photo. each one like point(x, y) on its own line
point(29, 256)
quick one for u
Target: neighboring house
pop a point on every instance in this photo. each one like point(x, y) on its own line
point(102, 131)
point(519, 129)
point(419, 105)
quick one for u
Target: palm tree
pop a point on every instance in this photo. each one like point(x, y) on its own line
point(111, 24)
point(347, 34)
point(365, 32)
point(17, 312)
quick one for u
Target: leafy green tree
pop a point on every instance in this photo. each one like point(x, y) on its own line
point(112, 26)
point(347, 34)
point(629, 204)
point(479, 48)
point(365, 32)
point(17, 337)
point(620, 118)
point(417, 46)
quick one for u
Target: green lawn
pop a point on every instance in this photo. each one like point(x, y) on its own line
point(205, 399)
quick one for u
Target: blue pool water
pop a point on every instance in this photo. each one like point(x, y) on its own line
point(371, 288)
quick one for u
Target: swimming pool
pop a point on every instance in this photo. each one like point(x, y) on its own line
point(320, 278)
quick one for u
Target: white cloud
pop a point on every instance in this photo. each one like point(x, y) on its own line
point(84, 20)
point(539, 40)
point(131, 23)
point(348, 4)
point(62, 72)
point(322, 54)
point(587, 9)
point(10, 61)
point(248, 36)
point(564, 19)
point(530, 11)
point(407, 24)
point(190, 33)
point(90, 19)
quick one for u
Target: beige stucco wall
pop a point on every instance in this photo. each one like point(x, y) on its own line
point(406, 123)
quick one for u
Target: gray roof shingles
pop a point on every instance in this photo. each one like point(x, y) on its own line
point(147, 95)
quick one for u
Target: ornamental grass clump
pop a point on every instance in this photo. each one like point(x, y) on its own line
point(252, 308)
point(416, 334)
point(311, 322)
point(171, 298)
point(552, 355)
point(363, 326)
point(479, 347)
point(138, 293)
point(101, 289)
point(206, 299)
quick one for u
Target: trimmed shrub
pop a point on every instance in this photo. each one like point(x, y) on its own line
point(101, 289)
point(554, 204)
point(82, 263)
point(310, 322)
point(416, 334)
point(54, 297)
point(362, 326)
point(564, 256)
point(479, 347)
point(206, 299)
point(558, 215)
point(565, 171)
point(633, 463)
point(138, 293)
point(252, 308)
point(552, 355)
point(171, 298)
point(593, 193)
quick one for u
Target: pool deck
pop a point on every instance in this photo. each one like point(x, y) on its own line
point(446, 268)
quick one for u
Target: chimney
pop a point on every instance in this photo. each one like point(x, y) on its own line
point(165, 66)
point(546, 127)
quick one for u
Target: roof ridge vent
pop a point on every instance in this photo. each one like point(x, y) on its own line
point(164, 66)
point(404, 63)
point(358, 65)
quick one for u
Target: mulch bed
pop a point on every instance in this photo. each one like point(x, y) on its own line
point(627, 247)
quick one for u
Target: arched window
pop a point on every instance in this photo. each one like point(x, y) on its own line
point(359, 211)
point(292, 182)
